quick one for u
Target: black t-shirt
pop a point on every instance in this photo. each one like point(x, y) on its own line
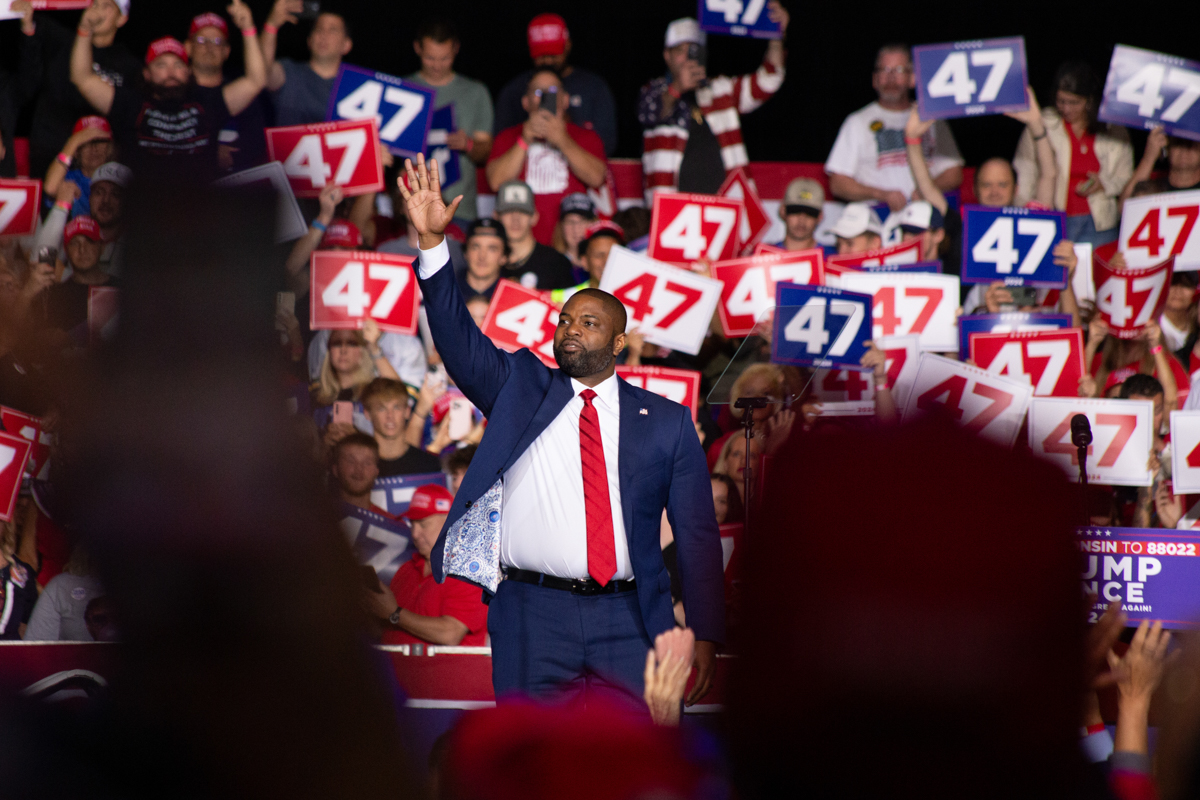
point(544, 269)
point(18, 594)
point(468, 291)
point(1171, 188)
point(66, 304)
point(702, 171)
point(415, 461)
point(149, 128)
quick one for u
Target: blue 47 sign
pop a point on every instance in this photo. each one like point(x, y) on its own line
point(967, 79)
point(737, 18)
point(402, 110)
point(1145, 89)
point(819, 326)
point(1013, 245)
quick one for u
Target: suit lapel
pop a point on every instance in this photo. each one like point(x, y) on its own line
point(633, 431)
point(557, 397)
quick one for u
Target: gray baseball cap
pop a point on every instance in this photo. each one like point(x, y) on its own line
point(515, 196)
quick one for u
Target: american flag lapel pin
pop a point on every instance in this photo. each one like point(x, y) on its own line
point(643, 412)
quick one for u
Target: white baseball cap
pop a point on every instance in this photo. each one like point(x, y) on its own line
point(124, 6)
point(919, 216)
point(857, 219)
point(684, 30)
point(116, 173)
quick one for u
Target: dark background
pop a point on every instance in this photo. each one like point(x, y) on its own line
point(831, 47)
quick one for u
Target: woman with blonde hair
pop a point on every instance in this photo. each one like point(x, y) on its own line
point(18, 569)
point(353, 360)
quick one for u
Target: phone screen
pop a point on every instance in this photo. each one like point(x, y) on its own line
point(343, 413)
point(550, 100)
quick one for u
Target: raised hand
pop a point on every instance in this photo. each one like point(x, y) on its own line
point(914, 126)
point(241, 15)
point(427, 211)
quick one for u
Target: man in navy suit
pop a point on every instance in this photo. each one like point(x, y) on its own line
point(558, 515)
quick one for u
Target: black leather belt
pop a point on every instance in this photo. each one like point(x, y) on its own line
point(584, 586)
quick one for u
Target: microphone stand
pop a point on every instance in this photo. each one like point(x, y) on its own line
point(1082, 449)
point(748, 406)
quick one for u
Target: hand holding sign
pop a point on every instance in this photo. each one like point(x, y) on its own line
point(344, 153)
point(1127, 299)
point(911, 302)
point(14, 452)
point(687, 227)
point(519, 318)
point(1050, 361)
point(819, 326)
point(1013, 245)
point(1159, 225)
point(748, 284)
point(352, 287)
point(1121, 437)
point(743, 18)
point(402, 111)
point(963, 79)
point(1145, 89)
point(981, 402)
point(19, 203)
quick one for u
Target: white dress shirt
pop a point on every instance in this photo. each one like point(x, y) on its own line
point(543, 520)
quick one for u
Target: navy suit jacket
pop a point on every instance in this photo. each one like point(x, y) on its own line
point(660, 463)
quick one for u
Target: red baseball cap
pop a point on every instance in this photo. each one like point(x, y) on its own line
point(342, 233)
point(163, 46)
point(92, 121)
point(548, 35)
point(428, 500)
point(82, 226)
point(1118, 376)
point(604, 227)
point(208, 20)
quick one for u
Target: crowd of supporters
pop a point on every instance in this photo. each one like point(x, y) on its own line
point(378, 404)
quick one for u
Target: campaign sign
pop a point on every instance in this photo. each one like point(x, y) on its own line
point(289, 222)
point(904, 253)
point(911, 302)
point(14, 452)
point(395, 493)
point(1121, 437)
point(6, 11)
point(845, 393)
point(1159, 225)
point(754, 219)
point(983, 403)
point(670, 307)
point(931, 267)
point(819, 326)
point(29, 428)
point(748, 284)
point(1152, 572)
point(680, 385)
point(343, 153)
point(747, 18)
point(1129, 298)
point(19, 204)
point(402, 111)
point(522, 318)
point(760, 249)
point(351, 286)
point(1049, 361)
point(377, 541)
point(967, 79)
point(969, 324)
point(1185, 451)
point(1145, 89)
point(436, 148)
point(103, 313)
point(687, 227)
point(1013, 245)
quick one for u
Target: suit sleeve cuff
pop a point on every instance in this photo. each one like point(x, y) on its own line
point(430, 261)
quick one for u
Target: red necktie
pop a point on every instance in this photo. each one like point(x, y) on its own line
point(602, 554)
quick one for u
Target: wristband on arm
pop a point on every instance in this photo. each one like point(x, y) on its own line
point(1158, 348)
point(249, 33)
point(63, 159)
point(912, 140)
point(270, 29)
point(316, 223)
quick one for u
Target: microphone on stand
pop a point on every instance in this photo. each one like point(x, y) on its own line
point(1081, 437)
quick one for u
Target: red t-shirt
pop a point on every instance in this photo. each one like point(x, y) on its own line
point(548, 174)
point(1083, 161)
point(422, 594)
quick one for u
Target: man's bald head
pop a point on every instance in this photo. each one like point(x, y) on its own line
point(614, 307)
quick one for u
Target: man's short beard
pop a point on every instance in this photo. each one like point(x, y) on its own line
point(583, 363)
point(170, 92)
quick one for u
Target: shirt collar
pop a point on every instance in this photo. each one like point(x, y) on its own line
point(606, 391)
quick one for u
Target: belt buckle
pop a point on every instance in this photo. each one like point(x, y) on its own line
point(582, 587)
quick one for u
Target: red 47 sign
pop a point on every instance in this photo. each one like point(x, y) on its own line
point(922, 303)
point(19, 203)
point(29, 428)
point(904, 253)
point(670, 307)
point(754, 220)
point(14, 452)
point(345, 153)
point(350, 286)
point(522, 318)
point(1129, 298)
point(1050, 361)
point(1185, 451)
point(983, 403)
point(680, 385)
point(1160, 225)
point(748, 284)
point(1121, 437)
point(848, 392)
point(688, 227)
point(761, 248)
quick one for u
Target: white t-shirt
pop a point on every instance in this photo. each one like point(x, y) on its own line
point(1174, 337)
point(870, 149)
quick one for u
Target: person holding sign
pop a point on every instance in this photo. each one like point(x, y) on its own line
point(553, 156)
point(176, 118)
point(300, 92)
point(560, 511)
point(691, 123)
point(1095, 161)
point(858, 229)
point(437, 44)
point(869, 159)
point(1183, 163)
